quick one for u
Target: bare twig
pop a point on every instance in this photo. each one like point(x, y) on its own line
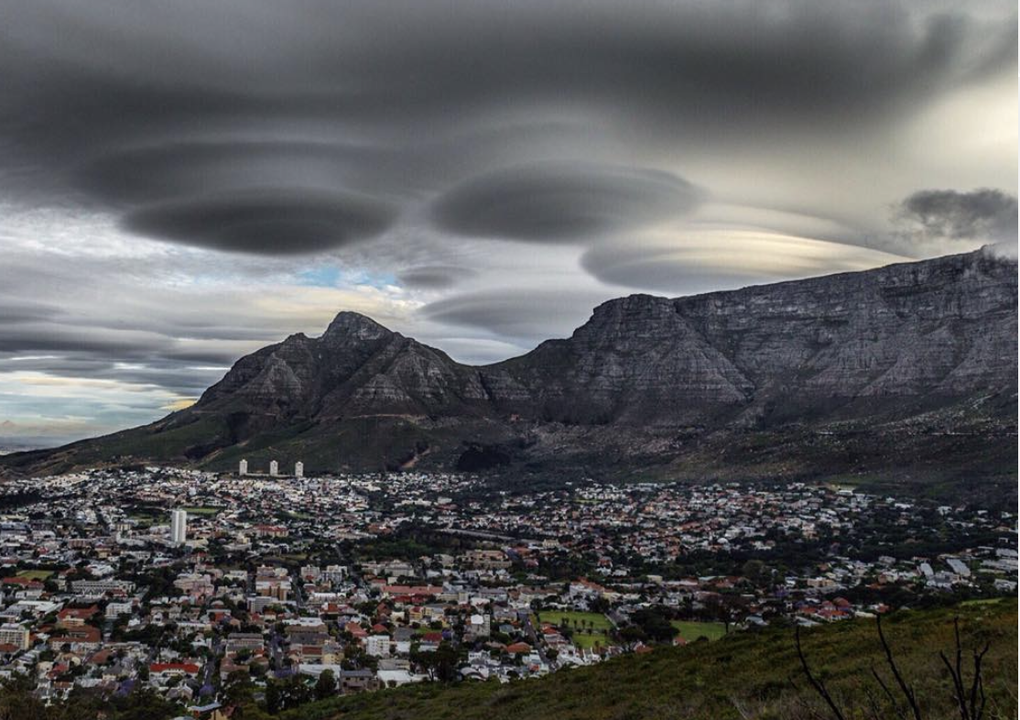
point(818, 685)
point(957, 687)
point(908, 692)
point(888, 693)
point(977, 687)
point(874, 703)
point(970, 704)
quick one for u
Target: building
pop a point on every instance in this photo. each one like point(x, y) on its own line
point(378, 645)
point(96, 588)
point(334, 574)
point(160, 673)
point(242, 467)
point(488, 559)
point(274, 468)
point(299, 469)
point(116, 609)
point(14, 634)
point(353, 681)
point(178, 527)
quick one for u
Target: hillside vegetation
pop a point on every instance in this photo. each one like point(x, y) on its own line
point(742, 675)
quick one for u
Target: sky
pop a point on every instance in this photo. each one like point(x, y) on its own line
point(184, 182)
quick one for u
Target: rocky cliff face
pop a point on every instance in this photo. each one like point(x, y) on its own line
point(800, 374)
point(942, 328)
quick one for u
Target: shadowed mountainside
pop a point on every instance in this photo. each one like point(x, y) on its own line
point(906, 373)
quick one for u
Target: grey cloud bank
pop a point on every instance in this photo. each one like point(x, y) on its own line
point(181, 182)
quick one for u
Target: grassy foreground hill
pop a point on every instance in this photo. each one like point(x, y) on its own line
point(743, 675)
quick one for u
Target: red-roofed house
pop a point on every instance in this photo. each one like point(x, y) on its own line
point(164, 671)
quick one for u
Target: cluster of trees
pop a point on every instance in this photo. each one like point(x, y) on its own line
point(649, 624)
point(440, 664)
point(17, 702)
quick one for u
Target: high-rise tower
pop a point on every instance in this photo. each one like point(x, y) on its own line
point(179, 526)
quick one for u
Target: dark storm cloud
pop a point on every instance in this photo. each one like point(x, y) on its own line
point(983, 214)
point(435, 277)
point(54, 337)
point(387, 136)
point(126, 107)
point(175, 378)
point(99, 353)
point(550, 202)
point(271, 221)
point(14, 310)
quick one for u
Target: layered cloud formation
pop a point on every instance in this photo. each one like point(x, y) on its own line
point(182, 182)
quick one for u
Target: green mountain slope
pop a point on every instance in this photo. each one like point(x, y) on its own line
point(745, 674)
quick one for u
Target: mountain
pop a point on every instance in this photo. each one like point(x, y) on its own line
point(907, 372)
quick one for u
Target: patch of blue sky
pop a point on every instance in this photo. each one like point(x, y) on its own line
point(333, 276)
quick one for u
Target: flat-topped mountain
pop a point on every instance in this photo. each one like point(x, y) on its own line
point(908, 371)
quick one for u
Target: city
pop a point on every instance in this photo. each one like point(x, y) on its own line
point(283, 589)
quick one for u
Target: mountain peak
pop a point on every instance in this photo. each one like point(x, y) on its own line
point(349, 324)
point(909, 368)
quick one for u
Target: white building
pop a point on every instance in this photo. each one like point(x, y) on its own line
point(274, 468)
point(378, 645)
point(13, 634)
point(116, 609)
point(334, 574)
point(178, 526)
point(242, 467)
point(299, 469)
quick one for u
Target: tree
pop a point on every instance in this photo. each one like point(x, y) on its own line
point(295, 692)
point(17, 701)
point(441, 663)
point(325, 686)
point(238, 689)
point(655, 623)
point(754, 570)
point(274, 697)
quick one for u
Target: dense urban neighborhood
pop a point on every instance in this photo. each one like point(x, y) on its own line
point(214, 590)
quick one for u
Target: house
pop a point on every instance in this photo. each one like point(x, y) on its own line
point(15, 635)
point(353, 681)
point(80, 639)
point(75, 617)
point(378, 645)
point(160, 673)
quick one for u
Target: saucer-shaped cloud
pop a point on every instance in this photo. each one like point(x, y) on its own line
point(164, 171)
point(683, 262)
point(435, 277)
point(285, 221)
point(512, 313)
point(562, 202)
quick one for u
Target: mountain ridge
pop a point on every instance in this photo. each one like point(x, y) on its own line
point(924, 349)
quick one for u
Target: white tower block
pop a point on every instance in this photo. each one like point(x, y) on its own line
point(274, 468)
point(242, 467)
point(299, 469)
point(179, 527)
